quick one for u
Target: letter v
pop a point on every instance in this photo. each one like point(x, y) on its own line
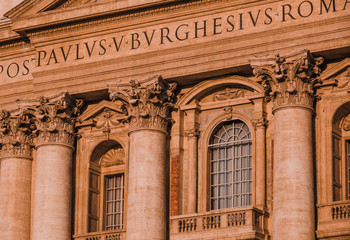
point(149, 41)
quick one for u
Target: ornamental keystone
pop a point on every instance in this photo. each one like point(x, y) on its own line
point(289, 80)
point(147, 103)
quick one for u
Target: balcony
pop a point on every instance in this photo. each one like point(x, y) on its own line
point(243, 223)
point(106, 235)
point(334, 220)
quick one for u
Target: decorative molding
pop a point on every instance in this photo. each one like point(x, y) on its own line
point(54, 118)
point(289, 80)
point(344, 79)
point(147, 105)
point(113, 157)
point(126, 17)
point(15, 135)
point(229, 93)
point(108, 119)
point(346, 123)
point(229, 112)
point(194, 132)
point(74, 3)
point(260, 123)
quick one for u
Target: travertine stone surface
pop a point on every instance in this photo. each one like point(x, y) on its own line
point(15, 174)
point(146, 209)
point(15, 198)
point(260, 154)
point(289, 81)
point(53, 192)
point(148, 104)
point(293, 188)
point(54, 117)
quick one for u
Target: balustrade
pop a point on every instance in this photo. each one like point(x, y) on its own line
point(246, 218)
point(110, 235)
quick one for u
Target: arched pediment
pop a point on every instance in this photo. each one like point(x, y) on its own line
point(221, 89)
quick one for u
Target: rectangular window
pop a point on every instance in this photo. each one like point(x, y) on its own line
point(114, 191)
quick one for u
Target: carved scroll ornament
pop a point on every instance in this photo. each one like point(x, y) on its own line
point(147, 105)
point(289, 80)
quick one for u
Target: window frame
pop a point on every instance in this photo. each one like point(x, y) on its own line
point(204, 160)
point(105, 171)
point(227, 145)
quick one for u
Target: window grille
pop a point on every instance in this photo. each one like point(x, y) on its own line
point(231, 166)
point(114, 202)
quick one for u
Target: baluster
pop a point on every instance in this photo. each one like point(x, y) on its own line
point(180, 226)
point(195, 224)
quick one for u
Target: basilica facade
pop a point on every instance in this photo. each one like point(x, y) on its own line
point(172, 119)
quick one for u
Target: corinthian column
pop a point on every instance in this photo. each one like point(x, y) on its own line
point(55, 118)
point(15, 176)
point(148, 106)
point(289, 82)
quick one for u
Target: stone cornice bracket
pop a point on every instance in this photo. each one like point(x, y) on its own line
point(192, 133)
point(147, 103)
point(54, 118)
point(16, 135)
point(260, 123)
point(288, 80)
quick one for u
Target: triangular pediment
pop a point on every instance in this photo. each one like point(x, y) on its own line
point(337, 75)
point(101, 110)
point(337, 70)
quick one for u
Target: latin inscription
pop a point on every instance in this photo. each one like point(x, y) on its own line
point(174, 34)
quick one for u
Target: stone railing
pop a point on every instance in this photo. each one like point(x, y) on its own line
point(341, 211)
point(106, 235)
point(251, 219)
point(333, 219)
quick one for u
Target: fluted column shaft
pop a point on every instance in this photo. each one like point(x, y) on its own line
point(148, 106)
point(289, 82)
point(15, 176)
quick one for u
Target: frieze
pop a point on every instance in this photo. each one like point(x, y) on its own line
point(147, 105)
point(215, 26)
point(289, 80)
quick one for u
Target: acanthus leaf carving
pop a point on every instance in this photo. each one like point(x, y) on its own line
point(16, 134)
point(147, 105)
point(289, 80)
point(55, 118)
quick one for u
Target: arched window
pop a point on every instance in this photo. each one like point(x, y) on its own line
point(230, 151)
point(341, 154)
point(106, 187)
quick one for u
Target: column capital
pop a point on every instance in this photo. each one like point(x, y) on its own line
point(15, 135)
point(147, 103)
point(289, 80)
point(54, 118)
